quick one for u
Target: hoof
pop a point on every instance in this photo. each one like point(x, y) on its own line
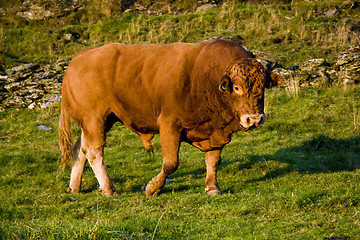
point(74, 191)
point(214, 192)
point(150, 190)
point(108, 192)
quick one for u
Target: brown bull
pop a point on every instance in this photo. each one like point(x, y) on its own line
point(198, 93)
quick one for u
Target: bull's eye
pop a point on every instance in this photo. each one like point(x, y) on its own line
point(238, 90)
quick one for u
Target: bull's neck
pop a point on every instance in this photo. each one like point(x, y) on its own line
point(208, 71)
point(210, 106)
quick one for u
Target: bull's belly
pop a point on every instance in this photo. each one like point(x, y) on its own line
point(142, 127)
point(138, 123)
point(136, 115)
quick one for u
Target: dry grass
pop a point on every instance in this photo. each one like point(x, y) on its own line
point(293, 85)
point(295, 32)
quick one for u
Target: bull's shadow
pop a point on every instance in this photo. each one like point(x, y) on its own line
point(320, 154)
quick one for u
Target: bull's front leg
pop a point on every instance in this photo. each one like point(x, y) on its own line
point(212, 159)
point(170, 143)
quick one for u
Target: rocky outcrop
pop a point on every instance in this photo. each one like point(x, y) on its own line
point(318, 72)
point(31, 85)
point(160, 8)
point(34, 10)
point(206, 4)
point(347, 66)
point(35, 86)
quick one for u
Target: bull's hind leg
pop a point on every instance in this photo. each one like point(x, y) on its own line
point(93, 148)
point(77, 169)
point(146, 141)
point(213, 160)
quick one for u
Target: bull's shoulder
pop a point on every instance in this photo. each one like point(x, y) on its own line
point(84, 51)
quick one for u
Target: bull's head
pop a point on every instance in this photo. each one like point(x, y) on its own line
point(243, 86)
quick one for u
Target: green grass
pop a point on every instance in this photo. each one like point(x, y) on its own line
point(295, 178)
point(294, 32)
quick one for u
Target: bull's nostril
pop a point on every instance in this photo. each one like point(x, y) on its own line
point(262, 119)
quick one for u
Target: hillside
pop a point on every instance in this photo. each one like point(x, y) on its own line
point(293, 31)
point(297, 177)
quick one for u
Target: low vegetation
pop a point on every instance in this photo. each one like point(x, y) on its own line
point(295, 178)
point(295, 32)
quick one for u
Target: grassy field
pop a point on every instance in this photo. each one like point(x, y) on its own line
point(294, 32)
point(295, 178)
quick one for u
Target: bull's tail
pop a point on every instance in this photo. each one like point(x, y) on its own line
point(65, 137)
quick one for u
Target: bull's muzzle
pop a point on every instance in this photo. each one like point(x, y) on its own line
point(250, 120)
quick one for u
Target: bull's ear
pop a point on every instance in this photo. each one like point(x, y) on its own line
point(225, 85)
point(273, 80)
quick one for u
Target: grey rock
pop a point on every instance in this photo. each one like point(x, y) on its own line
point(25, 67)
point(16, 101)
point(316, 69)
point(43, 127)
point(48, 100)
point(267, 65)
point(350, 4)
point(269, 61)
point(347, 66)
point(205, 7)
point(32, 85)
point(331, 13)
point(34, 10)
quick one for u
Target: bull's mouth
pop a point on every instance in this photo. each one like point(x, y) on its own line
point(249, 121)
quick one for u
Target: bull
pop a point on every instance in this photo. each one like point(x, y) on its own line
point(199, 93)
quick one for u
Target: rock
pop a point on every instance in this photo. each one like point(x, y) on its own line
point(139, 7)
point(68, 36)
point(268, 60)
point(202, 2)
point(267, 65)
point(35, 13)
point(331, 13)
point(38, 10)
point(48, 100)
point(316, 69)
point(72, 36)
point(313, 63)
point(16, 102)
point(293, 80)
point(32, 85)
point(318, 72)
point(62, 65)
point(205, 7)
point(285, 73)
point(347, 66)
point(43, 127)
point(26, 67)
point(350, 4)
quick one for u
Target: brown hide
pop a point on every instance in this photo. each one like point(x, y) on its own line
point(195, 92)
